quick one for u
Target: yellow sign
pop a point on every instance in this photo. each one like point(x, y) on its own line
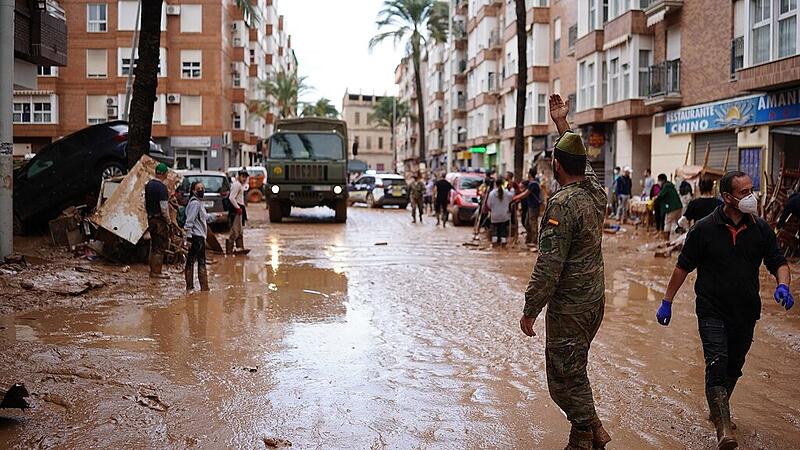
point(277, 170)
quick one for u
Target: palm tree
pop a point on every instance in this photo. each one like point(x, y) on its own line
point(386, 113)
point(321, 108)
point(145, 82)
point(281, 92)
point(410, 20)
point(522, 84)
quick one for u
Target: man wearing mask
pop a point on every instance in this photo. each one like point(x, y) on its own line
point(196, 227)
point(727, 248)
point(156, 202)
point(568, 279)
point(624, 187)
point(236, 197)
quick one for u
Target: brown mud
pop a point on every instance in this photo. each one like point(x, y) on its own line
point(322, 339)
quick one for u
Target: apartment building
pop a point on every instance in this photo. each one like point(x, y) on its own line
point(374, 141)
point(652, 83)
point(212, 58)
point(406, 133)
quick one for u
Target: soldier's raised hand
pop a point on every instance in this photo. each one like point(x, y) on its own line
point(558, 108)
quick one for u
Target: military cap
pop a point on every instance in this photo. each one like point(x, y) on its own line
point(571, 143)
point(161, 168)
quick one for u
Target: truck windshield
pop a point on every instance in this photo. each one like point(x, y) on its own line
point(306, 146)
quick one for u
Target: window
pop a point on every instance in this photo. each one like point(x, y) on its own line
point(557, 86)
point(787, 28)
point(644, 73)
point(582, 86)
point(96, 63)
point(124, 61)
point(618, 8)
point(626, 81)
point(126, 15)
point(191, 110)
point(191, 18)
point(761, 31)
point(604, 84)
point(590, 85)
point(592, 15)
point(380, 143)
point(97, 17)
point(252, 56)
point(557, 39)
point(96, 109)
point(614, 80)
point(358, 118)
point(541, 108)
point(369, 142)
point(48, 71)
point(191, 62)
point(34, 109)
point(237, 121)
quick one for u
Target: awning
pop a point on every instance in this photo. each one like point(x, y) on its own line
point(356, 165)
point(32, 92)
point(787, 130)
point(657, 17)
point(615, 42)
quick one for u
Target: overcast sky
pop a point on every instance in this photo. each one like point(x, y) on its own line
point(330, 39)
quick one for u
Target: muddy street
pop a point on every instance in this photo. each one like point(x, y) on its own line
point(373, 334)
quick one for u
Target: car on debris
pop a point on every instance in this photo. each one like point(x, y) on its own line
point(380, 189)
point(464, 197)
point(68, 172)
point(217, 185)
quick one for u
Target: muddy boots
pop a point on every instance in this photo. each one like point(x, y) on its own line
point(228, 247)
point(580, 439)
point(202, 275)
point(188, 273)
point(721, 416)
point(600, 436)
point(156, 265)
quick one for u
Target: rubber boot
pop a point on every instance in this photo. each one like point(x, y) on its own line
point(156, 265)
point(720, 410)
point(711, 415)
point(202, 275)
point(228, 247)
point(579, 439)
point(188, 274)
point(600, 436)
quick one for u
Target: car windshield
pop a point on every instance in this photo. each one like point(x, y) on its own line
point(306, 146)
point(469, 183)
point(212, 183)
point(393, 182)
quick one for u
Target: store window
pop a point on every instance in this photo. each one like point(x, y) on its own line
point(97, 17)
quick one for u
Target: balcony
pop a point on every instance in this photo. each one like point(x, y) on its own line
point(538, 14)
point(772, 75)
point(655, 10)
point(40, 35)
point(493, 130)
point(494, 40)
point(618, 30)
point(664, 84)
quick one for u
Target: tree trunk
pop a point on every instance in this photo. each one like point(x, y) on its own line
point(522, 88)
point(145, 82)
point(416, 54)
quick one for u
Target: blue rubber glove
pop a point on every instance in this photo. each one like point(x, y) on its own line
point(784, 297)
point(664, 313)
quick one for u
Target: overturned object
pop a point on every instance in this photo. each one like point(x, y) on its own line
point(15, 397)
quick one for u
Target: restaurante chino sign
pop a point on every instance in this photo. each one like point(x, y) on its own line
point(779, 106)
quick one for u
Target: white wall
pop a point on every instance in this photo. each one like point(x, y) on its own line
point(624, 144)
point(667, 152)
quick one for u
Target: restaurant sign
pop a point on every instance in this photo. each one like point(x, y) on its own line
point(773, 107)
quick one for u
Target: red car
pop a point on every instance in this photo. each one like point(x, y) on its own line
point(464, 197)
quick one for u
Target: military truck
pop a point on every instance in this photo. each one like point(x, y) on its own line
point(307, 166)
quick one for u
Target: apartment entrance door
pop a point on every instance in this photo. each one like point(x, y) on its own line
point(188, 159)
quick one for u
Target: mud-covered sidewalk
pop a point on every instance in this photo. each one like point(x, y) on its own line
point(374, 334)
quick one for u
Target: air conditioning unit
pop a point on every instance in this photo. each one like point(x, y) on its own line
point(234, 26)
point(111, 101)
point(173, 10)
point(173, 99)
point(227, 139)
point(112, 112)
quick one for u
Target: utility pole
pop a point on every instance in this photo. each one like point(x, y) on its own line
point(6, 128)
point(134, 48)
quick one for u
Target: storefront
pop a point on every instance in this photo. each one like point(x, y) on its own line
point(199, 153)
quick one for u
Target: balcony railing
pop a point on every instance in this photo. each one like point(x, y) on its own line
point(461, 102)
point(737, 55)
point(665, 78)
point(494, 39)
point(462, 66)
point(459, 31)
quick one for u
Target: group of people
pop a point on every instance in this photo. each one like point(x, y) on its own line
point(726, 247)
point(195, 225)
point(430, 197)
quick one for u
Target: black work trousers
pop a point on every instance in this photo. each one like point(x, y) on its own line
point(724, 348)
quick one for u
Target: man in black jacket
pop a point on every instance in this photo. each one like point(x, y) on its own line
point(727, 248)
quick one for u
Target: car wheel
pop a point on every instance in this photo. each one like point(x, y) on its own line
point(404, 206)
point(111, 169)
point(275, 212)
point(371, 201)
point(456, 220)
point(341, 211)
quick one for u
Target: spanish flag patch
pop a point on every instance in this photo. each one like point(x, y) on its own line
point(553, 222)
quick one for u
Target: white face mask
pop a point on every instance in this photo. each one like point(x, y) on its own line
point(748, 204)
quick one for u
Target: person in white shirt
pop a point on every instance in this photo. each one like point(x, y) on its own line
point(499, 203)
point(236, 198)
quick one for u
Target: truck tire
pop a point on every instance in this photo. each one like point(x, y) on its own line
point(341, 211)
point(275, 212)
point(404, 206)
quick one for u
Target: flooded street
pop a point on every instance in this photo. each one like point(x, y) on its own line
point(375, 334)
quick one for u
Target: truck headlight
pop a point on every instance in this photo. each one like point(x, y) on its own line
point(275, 189)
point(337, 190)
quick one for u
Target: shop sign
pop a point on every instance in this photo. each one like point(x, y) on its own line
point(596, 139)
point(190, 141)
point(778, 106)
point(477, 150)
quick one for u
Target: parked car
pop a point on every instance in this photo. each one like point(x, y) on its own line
point(68, 171)
point(217, 186)
point(464, 197)
point(380, 189)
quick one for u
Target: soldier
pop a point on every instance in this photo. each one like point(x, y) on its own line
point(416, 192)
point(156, 202)
point(568, 278)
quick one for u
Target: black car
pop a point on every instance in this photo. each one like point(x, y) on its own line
point(68, 172)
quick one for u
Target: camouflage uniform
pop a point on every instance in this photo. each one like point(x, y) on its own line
point(568, 277)
point(416, 192)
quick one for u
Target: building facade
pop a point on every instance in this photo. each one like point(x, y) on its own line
point(652, 83)
point(212, 61)
point(374, 141)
